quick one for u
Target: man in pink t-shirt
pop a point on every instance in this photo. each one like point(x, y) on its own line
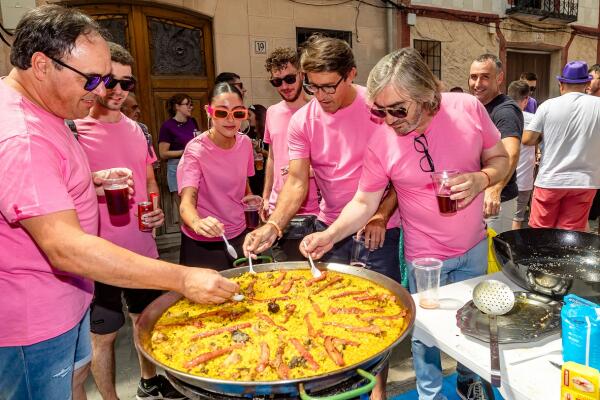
point(283, 65)
point(50, 251)
point(426, 131)
point(330, 134)
point(110, 140)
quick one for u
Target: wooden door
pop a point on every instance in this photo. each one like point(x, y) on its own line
point(173, 53)
point(519, 61)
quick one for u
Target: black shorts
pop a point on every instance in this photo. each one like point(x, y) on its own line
point(106, 311)
point(214, 255)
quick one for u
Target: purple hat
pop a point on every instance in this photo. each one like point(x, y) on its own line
point(575, 72)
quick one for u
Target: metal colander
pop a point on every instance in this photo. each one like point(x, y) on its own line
point(493, 297)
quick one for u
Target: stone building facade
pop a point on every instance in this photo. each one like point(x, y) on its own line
point(543, 37)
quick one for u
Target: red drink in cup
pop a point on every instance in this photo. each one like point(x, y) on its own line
point(252, 205)
point(443, 192)
point(252, 219)
point(446, 205)
point(116, 192)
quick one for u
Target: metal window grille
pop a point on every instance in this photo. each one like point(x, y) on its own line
point(431, 51)
point(304, 33)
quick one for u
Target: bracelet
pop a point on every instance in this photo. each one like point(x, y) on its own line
point(279, 231)
point(489, 179)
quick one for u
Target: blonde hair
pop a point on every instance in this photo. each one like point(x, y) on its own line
point(405, 70)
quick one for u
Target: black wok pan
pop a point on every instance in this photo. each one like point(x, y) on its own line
point(551, 262)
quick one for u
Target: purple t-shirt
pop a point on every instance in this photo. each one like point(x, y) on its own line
point(531, 105)
point(177, 134)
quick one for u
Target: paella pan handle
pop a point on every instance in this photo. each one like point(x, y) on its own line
point(507, 250)
point(346, 395)
point(264, 259)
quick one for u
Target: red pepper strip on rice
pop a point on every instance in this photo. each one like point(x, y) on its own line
point(374, 329)
point(211, 355)
point(268, 319)
point(221, 330)
point(310, 361)
point(334, 353)
point(263, 361)
point(311, 281)
point(279, 279)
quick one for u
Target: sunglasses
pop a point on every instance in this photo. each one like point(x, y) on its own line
point(126, 84)
point(396, 112)
point(421, 146)
point(289, 79)
point(92, 81)
point(222, 113)
point(532, 88)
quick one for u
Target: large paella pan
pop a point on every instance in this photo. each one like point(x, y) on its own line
point(291, 333)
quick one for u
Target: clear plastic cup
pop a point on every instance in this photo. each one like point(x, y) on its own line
point(427, 276)
point(252, 205)
point(442, 190)
point(359, 256)
point(116, 192)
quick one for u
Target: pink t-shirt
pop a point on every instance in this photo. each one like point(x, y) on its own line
point(220, 175)
point(456, 136)
point(43, 170)
point(113, 145)
point(276, 134)
point(335, 144)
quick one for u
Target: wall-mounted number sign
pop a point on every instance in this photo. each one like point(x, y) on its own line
point(260, 47)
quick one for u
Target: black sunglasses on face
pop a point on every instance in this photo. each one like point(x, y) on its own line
point(532, 88)
point(289, 79)
point(396, 112)
point(92, 81)
point(421, 146)
point(126, 84)
point(311, 88)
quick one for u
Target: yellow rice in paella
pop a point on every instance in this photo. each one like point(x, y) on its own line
point(288, 326)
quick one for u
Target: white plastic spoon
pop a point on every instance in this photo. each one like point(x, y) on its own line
point(230, 248)
point(313, 270)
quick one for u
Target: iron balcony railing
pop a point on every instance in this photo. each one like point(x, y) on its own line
point(565, 10)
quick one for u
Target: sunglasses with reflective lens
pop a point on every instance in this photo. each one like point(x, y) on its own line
point(396, 112)
point(289, 79)
point(126, 84)
point(92, 81)
point(222, 113)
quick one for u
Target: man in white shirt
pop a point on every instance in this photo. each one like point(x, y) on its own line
point(568, 128)
point(519, 92)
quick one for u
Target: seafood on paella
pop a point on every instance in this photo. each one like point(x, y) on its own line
point(289, 326)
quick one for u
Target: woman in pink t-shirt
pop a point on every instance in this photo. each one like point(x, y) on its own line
point(212, 180)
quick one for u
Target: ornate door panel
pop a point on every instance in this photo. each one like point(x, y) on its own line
point(173, 52)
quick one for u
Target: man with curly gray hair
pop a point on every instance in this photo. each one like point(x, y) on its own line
point(426, 131)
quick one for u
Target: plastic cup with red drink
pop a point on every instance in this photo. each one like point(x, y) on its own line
point(116, 192)
point(252, 205)
point(443, 192)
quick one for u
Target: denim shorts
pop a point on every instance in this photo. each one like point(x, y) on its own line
point(385, 260)
point(172, 164)
point(45, 370)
